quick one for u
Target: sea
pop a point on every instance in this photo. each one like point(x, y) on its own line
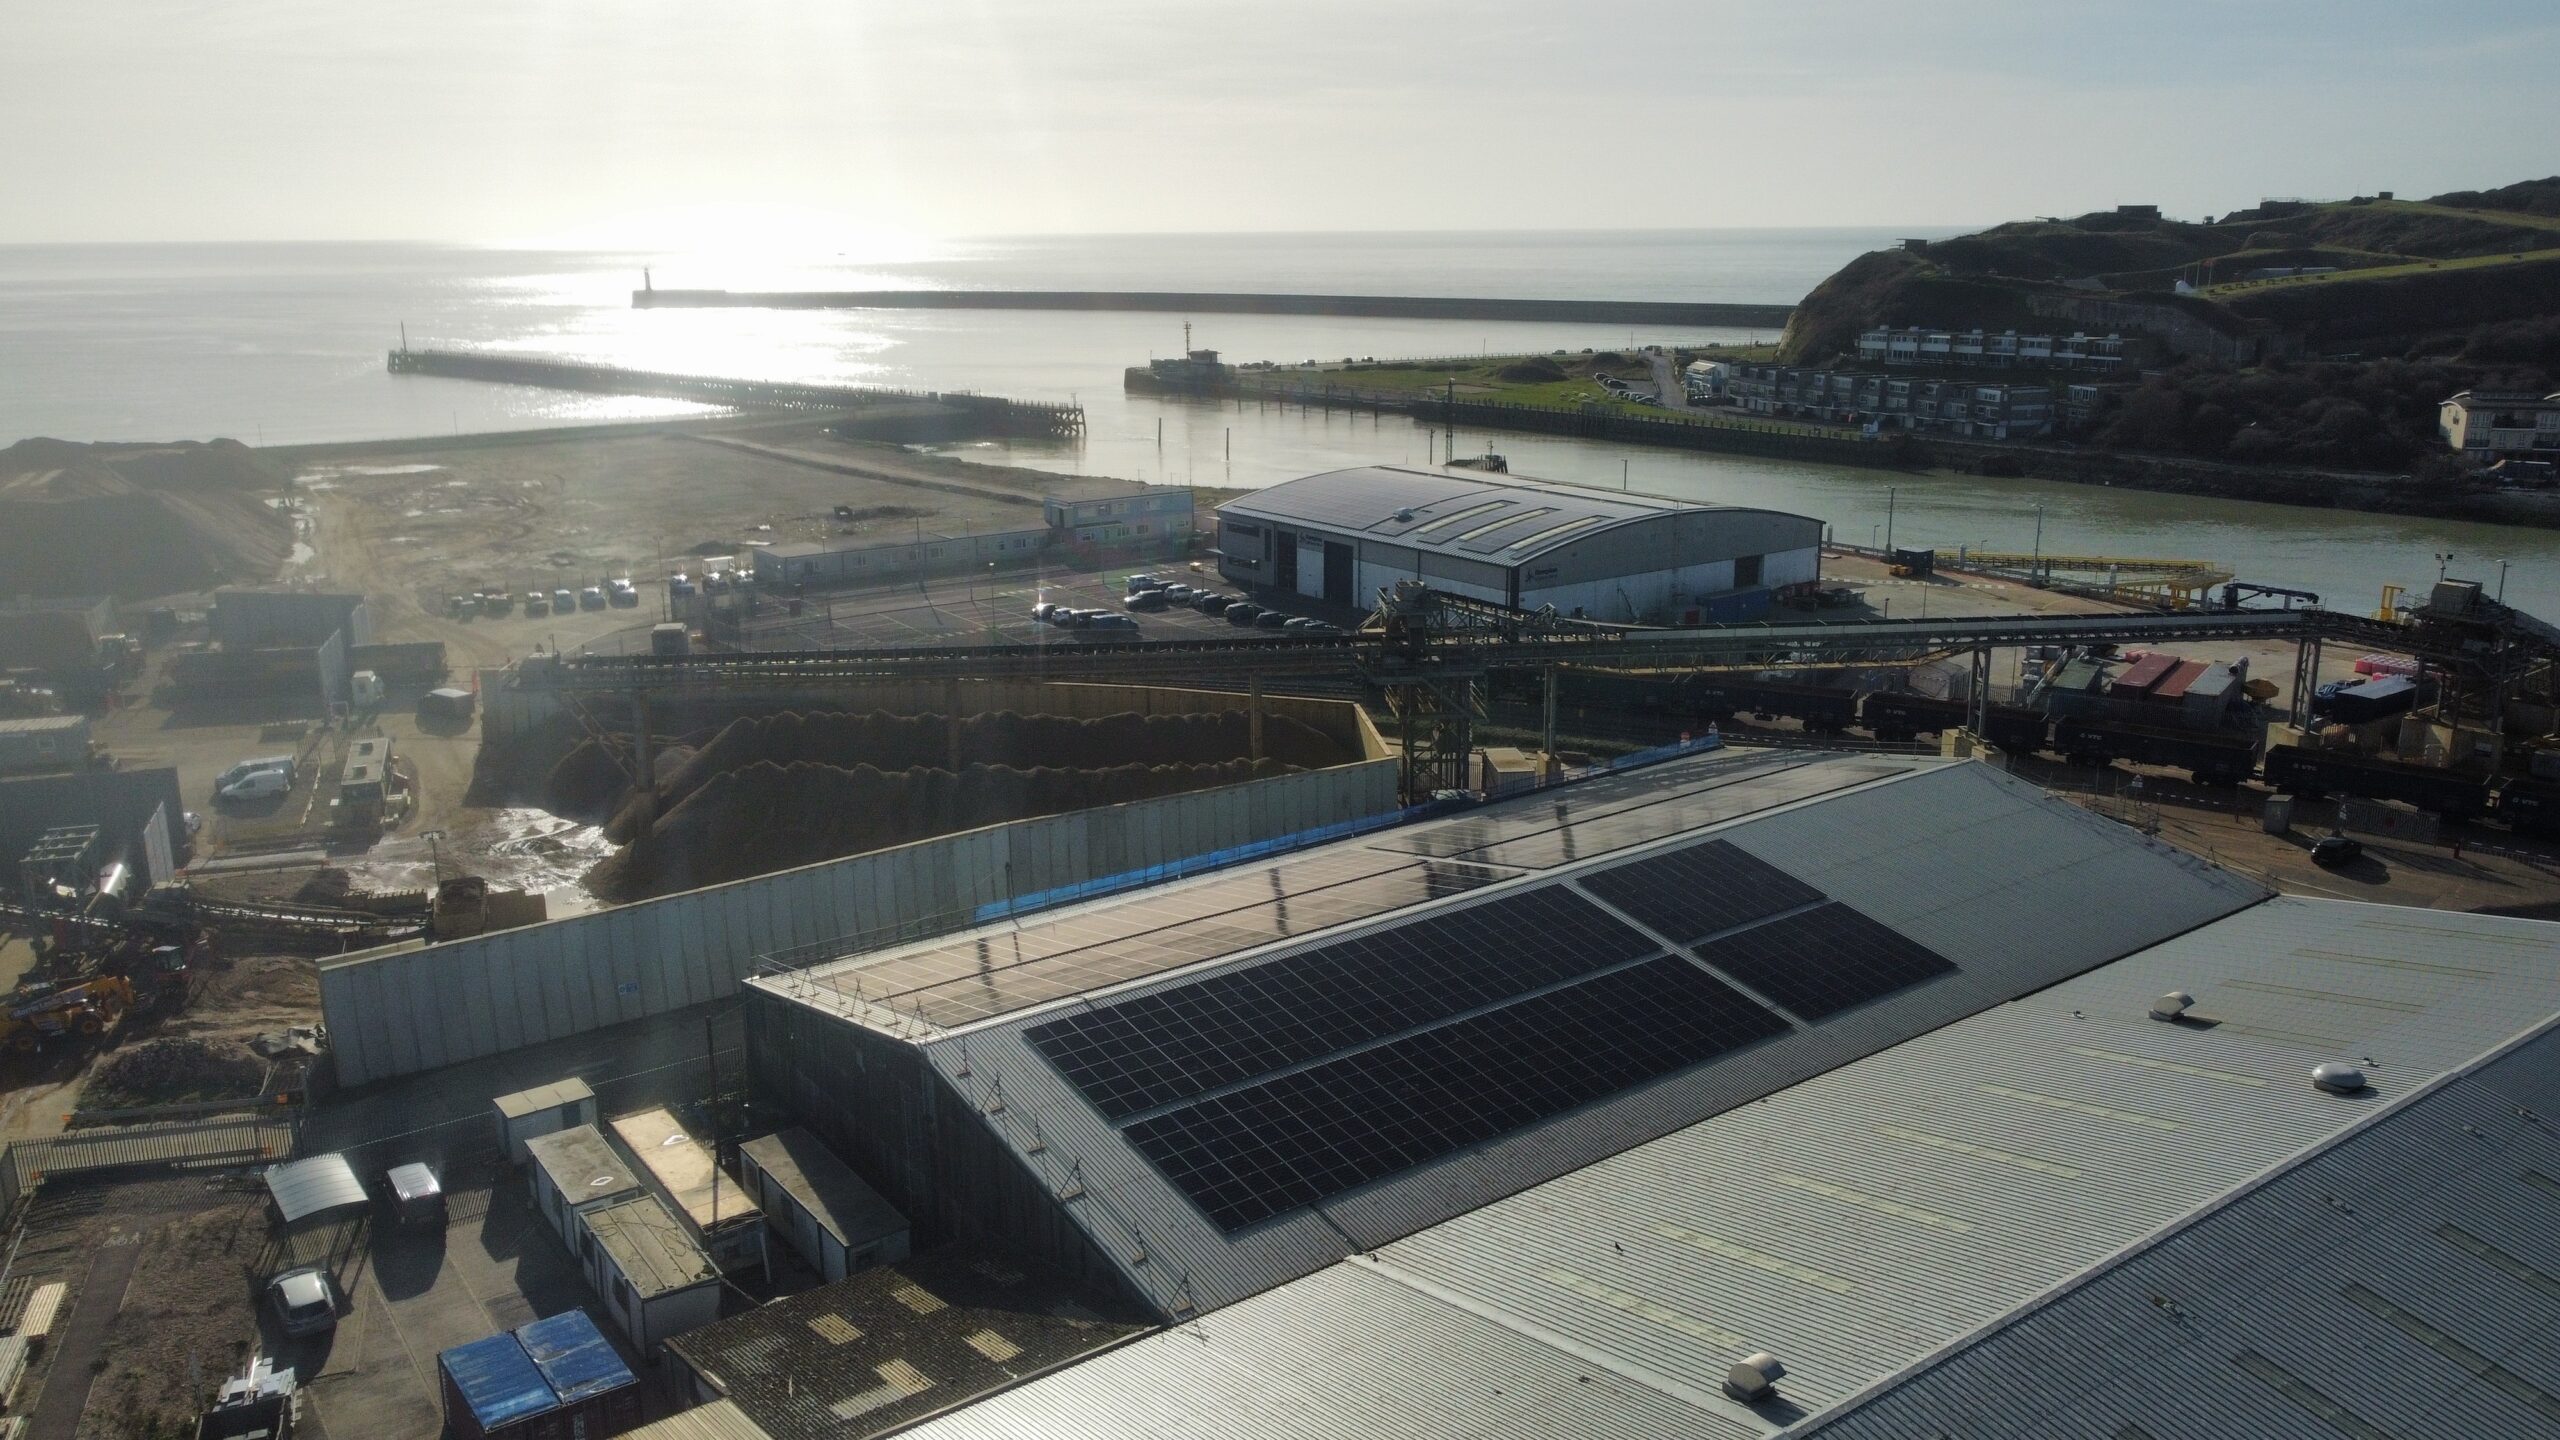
point(280, 344)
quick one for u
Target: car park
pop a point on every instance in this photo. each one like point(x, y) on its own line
point(1272, 619)
point(305, 1300)
point(1243, 613)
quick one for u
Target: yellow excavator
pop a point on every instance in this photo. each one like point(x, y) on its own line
point(88, 1009)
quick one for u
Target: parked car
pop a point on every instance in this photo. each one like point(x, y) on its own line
point(417, 1195)
point(462, 607)
point(1103, 626)
point(1179, 594)
point(1212, 603)
point(536, 603)
point(2331, 851)
point(1042, 611)
point(305, 1300)
point(622, 592)
point(1243, 613)
point(591, 598)
point(1147, 600)
point(1137, 583)
point(564, 600)
point(1272, 619)
point(716, 581)
point(497, 602)
point(247, 768)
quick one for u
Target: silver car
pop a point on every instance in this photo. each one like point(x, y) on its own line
point(305, 1300)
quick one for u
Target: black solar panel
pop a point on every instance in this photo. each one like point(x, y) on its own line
point(1695, 892)
point(1299, 1138)
point(1190, 1039)
point(1824, 961)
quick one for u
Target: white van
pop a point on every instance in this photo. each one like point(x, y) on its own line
point(257, 785)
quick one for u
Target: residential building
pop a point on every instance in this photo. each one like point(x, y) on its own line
point(1975, 410)
point(2492, 425)
point(1916, 346)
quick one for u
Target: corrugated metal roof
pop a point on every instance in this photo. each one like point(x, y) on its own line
point(844, 1360)
point(304, 1188)
point(840, 1201)
point(1502, 518)
point(718, 1420)
point(1862, 1221)
point(2019, 889)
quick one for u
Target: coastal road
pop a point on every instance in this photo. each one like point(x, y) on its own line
point(1668, 386)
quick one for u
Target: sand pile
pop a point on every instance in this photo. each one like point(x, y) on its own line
point(764, 816)
point(173, 1071)
point(137, 520)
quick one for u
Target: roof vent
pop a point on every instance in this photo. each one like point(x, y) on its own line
point(1754, 1377)
point(2173, 1006)
point(1405, 514)
point(2338, 1078)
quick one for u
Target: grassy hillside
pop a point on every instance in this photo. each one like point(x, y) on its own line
point(2410, 272)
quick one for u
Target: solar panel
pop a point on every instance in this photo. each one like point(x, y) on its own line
point(1186, 1040)
point(1825, 960)
point(1695, 892)
point(1290, 1141)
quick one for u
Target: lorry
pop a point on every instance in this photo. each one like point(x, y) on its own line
point(670, 638)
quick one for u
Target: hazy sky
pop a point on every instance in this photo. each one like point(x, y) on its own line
point(676, 123)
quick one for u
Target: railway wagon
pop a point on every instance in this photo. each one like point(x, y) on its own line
point(2213, 757)
point(2317, 774)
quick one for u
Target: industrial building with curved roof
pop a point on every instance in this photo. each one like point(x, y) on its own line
point(1342, 536)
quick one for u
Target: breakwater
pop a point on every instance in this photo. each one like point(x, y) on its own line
point(981, 414)
point(1397, 307)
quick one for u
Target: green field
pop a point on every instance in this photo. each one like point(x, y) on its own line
point(2383, 272)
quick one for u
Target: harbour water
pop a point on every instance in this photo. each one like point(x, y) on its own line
point(284, 344)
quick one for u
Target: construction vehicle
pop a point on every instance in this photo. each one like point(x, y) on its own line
point(87, 1008)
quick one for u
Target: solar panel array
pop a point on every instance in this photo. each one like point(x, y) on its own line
point(1301, 1137)
point(1690, 894)
point(1177, 1043)
point(1267, 1087)
point(1825, 960)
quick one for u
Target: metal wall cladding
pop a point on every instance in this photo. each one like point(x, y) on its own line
point(402, 1009)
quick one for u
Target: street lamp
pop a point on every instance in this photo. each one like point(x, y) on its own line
point(2038, 563)
point(2442, 560)
point(1872, 532)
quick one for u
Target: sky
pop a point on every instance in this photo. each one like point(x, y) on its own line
point(680, 123)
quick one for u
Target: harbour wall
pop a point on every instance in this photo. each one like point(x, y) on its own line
point(1397, 307)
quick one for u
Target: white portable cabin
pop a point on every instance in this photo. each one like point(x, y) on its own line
point(643, 1262)
point(540, 1111)
point(825, 1211)
point(720, 1211)
point(574, 1171)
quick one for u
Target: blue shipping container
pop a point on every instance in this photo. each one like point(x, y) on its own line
point(574, 1356)
point(496, 1384)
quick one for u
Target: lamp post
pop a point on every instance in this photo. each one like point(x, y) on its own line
point(2037, 564)
point(2442, 560)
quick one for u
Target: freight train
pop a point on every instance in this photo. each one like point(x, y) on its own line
point(2213, 756)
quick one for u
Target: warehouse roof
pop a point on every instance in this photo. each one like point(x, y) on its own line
point(1504, 519)
point(1569, 975)
point(892, 1345)
point(2059, 1216)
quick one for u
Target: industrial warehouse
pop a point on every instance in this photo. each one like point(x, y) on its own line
point(1345, 535)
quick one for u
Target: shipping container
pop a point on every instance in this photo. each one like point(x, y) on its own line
point(820, 1207)
point(555, 1379)
point(2138, 678)
point(2373, 700)
point(44, 742)
point(573, 1170)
